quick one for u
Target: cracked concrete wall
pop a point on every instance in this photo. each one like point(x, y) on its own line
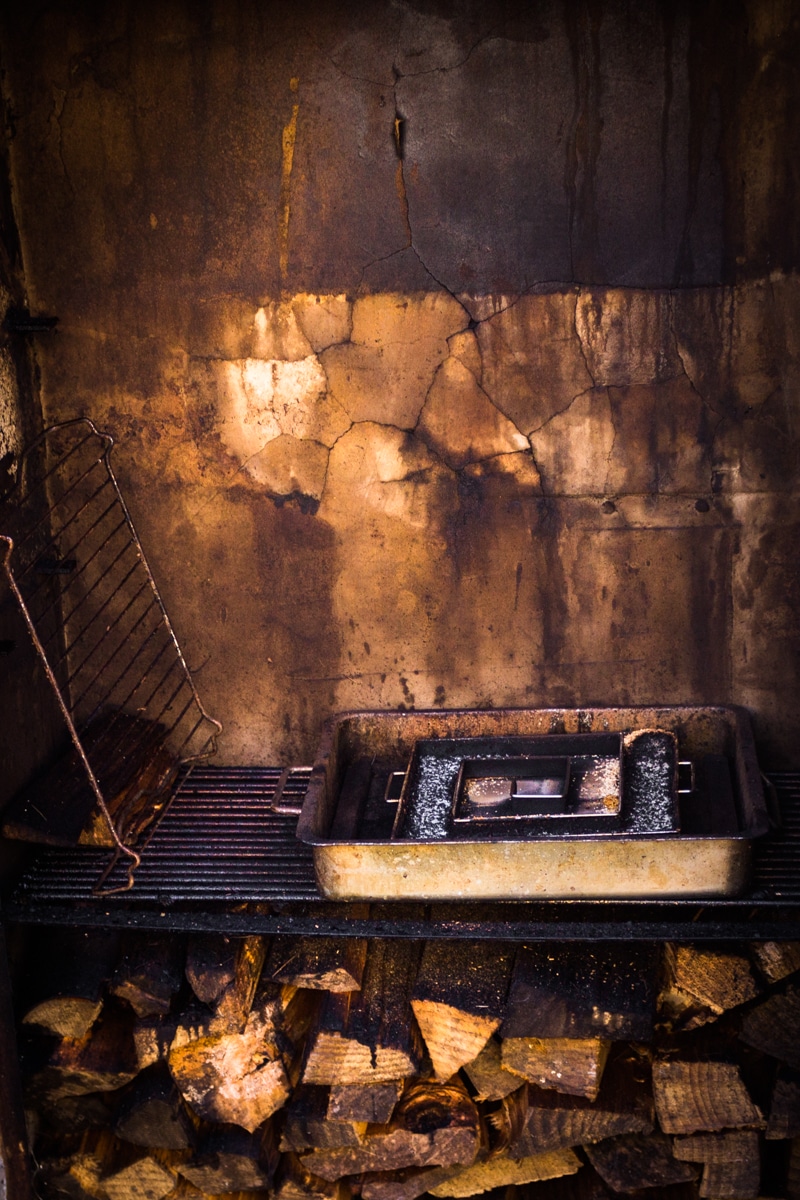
point(452, 350)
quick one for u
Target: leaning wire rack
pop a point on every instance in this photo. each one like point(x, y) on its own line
point(75, 566)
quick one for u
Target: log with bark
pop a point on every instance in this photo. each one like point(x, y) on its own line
point(773, 1026)
point(232, 1160)
point(434, 1125)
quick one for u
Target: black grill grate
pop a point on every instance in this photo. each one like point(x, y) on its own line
point(225, 856)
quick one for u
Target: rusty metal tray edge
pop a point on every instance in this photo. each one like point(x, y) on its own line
point(634, 866)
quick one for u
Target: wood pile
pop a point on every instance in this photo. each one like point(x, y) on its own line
point(159, 1066)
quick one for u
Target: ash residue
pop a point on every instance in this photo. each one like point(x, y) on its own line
point(650, 770)
point(431, 798)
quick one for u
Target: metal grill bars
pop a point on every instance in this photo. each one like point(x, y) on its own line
point(75, 565)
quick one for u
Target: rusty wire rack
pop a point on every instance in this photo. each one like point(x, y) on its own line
point(76, 568)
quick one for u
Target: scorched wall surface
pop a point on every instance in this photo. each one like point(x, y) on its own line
point(452, 350)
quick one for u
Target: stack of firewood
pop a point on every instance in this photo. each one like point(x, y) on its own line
point(162, 1066)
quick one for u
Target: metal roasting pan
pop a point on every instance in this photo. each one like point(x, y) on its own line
point(716, 863)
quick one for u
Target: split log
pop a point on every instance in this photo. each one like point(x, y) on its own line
point(78, 1175)
point(784, 1113)
point(149, 972)
point(488, 1076)
point(153, 1036)
point(143, 1179)
point(434, 1125)
point(732, 1180)
point(234, 1002)
point(369, 1036)
point(550, 1120)
point(773, 1027)
point(731, 1162)
point(502, 1172)
point(72, 968)
point(638, 1160)
point(296, 1182)
point(231, 1160)
point(459, 999)
point(326, 963)
point(241, 1078)
point(105, 1169)
point(572, 1065)
point(776, 960)
point(582, 991)
point(371, 1102)
point(307, 1125)
point(700, 985)
point(702, 1096)
point(152, 1114)
point(402, 1185)
point(102, 1061)
point(210, 964)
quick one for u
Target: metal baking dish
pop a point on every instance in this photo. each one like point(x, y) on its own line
point(349, 814)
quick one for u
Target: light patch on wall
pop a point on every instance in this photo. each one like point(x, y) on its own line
point(259, 400)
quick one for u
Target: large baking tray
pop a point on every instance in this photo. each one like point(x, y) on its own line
point(715, 862)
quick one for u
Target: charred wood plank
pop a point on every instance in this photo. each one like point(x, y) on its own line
point(583, 991)
point(234, 1002)
point(731, 1162)
point(211, 964)
point(150, 972)
point(459, 999)
point(325, 963)
point(369, 1036)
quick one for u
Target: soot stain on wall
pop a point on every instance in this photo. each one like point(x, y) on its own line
point(450, 349)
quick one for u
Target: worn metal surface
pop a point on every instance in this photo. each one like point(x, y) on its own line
point(645, 865)
point(56, 890)
point(73, 562)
